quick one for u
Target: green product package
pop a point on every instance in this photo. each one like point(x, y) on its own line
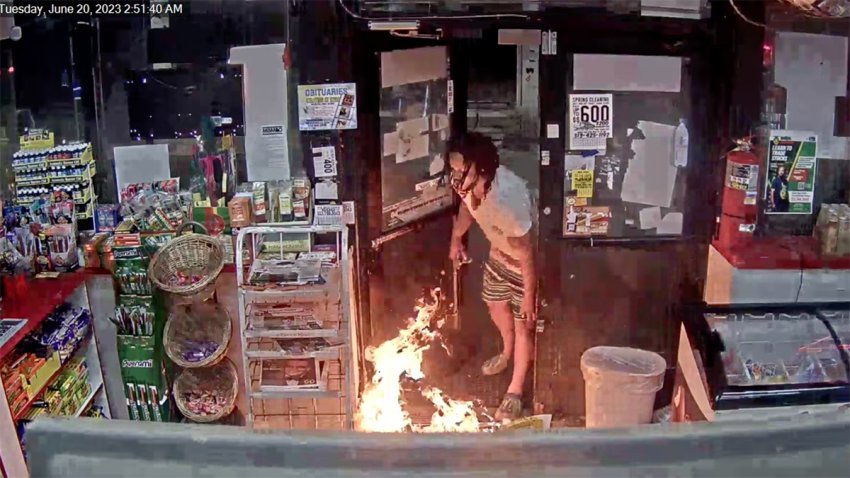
point(153, 242)
point(140, 359)
point(135, 315)
point(144, 378)
point(131, 270)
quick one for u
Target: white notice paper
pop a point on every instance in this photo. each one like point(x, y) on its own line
point(324, 161)
point(591, 119)
point(265, 100)
point(402, 67)
point(141, 164)
point(437, 165)
point(627, 73)
point(272, 148)
point(413, 140)
point(390, 143)
point(650, 217)
point(671, 224)
point(327, 190)
point(650, 177)
point(348, 212)
point(553, 131)
point(328, 215)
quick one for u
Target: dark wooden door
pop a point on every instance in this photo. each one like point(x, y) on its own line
point(619, 289)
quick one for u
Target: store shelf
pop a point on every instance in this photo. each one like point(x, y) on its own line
point(266, 393)
point(43, 295)
point(37, 395)
point(89, 400)
point(293, 334)
point(285, 228)
point(301, 290)
point(270, 355)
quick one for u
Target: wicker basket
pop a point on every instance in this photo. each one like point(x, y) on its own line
point(191, 255)
point(220, 379)
point(198, 322)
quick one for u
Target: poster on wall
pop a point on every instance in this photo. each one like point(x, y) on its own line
point(791, 166)
point(327, 107)
point(585, 221)
point(591, 119)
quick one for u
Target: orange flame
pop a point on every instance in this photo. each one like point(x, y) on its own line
point(382, 405)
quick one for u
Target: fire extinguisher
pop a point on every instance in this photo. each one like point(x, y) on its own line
point(739, 204)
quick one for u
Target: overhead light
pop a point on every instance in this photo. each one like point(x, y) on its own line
point(377, 26)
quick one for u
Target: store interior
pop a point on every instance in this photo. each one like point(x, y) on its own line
point(226, 217)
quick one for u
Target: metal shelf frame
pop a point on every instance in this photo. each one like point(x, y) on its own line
point(254, 235)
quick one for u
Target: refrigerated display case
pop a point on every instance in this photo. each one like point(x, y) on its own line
point(775, 359)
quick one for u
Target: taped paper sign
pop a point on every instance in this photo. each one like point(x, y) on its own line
point(327, 107)
point(591, 120)
point(791, 162)
point(651, 176)
point(581, 166)
point(324, 161)
point(437, 165)
point(583, 183)
point(390, 143)
point(413, 140)
point(327, 190)
point(328, 215)
point(583, 221)
point(402, 67)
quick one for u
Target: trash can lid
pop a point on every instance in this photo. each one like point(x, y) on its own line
point(624, 360)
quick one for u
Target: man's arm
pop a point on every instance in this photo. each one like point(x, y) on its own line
point(462, 223)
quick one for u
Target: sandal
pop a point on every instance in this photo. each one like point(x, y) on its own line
point(495, 365)
point(510, 409)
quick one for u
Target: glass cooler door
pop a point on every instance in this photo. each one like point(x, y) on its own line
point(779, 351)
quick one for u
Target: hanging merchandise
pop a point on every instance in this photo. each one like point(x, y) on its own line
point(791, 168)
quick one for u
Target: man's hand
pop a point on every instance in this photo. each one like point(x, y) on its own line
point(457, 253)
point(528, 311)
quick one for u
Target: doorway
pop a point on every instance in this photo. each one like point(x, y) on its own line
point(487, 88)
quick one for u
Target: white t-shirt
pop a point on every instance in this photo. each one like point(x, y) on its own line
point(505, 212)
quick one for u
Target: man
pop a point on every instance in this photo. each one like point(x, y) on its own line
point(779, 190)
point(500, 202)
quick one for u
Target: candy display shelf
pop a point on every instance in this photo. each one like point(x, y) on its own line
point(47, 294)
point(38, 394)
point(34, 304)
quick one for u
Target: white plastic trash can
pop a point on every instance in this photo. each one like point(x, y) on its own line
point(620, 385)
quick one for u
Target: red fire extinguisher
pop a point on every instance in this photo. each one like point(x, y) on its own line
point(739, 204)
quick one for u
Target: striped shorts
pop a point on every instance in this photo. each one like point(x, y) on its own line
point(503, 284)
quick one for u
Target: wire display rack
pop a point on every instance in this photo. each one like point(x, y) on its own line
point(296, 336)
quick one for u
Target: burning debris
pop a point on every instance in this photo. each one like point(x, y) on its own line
point(382, 407)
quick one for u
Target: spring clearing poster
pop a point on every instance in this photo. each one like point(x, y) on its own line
point(327, 107)
point(791, 168)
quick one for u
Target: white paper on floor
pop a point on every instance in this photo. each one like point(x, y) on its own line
point(651, 176)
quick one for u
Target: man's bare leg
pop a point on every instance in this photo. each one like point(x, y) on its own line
point(522, 356)
point(500, 314)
